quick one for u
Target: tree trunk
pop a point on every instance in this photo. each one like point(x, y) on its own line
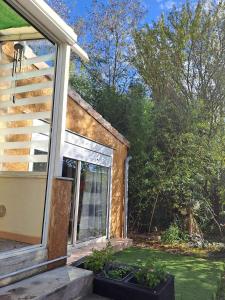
point(190, 221)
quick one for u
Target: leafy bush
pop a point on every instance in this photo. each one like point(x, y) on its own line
point(151, 274)
point(99, 258)
point(174, 235)
point(118, 272)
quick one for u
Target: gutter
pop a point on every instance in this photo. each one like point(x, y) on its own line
point(127, 161)
point(80, 52)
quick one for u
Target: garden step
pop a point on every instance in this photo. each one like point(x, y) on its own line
point(63, 283)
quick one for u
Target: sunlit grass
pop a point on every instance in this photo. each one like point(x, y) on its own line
point(195, 278)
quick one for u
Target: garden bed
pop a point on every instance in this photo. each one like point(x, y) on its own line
point(151, 242)
point(117, 281)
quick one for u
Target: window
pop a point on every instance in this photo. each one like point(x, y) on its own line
point(27, 68)
point(70, 171)
point(89, 200)
point(39, 166)
point(89, 165)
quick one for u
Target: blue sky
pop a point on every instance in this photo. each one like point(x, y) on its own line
point(154, 7)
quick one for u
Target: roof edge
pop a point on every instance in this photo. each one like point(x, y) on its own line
point(89, 109)
point(41, 13)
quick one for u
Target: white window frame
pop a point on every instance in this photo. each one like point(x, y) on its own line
point(60, 93)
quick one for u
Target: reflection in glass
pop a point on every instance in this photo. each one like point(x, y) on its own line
point(92, 214)
point(70, 171)
point(27, 68)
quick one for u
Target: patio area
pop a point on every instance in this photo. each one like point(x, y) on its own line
point(85, 250)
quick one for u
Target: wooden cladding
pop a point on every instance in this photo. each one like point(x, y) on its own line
point(59, 219)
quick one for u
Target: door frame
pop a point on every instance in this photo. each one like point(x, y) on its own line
point(82, 149)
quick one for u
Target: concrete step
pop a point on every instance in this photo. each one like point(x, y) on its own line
point(65, 283)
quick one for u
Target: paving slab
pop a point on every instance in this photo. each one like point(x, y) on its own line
point(65, 283)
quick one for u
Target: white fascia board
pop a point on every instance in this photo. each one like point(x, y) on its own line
point(80, 52)
point(45, 18)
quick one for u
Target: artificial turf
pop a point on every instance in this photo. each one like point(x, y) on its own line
point(195, 278)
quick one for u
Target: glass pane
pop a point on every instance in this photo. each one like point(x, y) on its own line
point(27, 68)
point(70, 171)
point(92, 214)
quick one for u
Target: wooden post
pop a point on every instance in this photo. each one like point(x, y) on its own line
point(59, 220)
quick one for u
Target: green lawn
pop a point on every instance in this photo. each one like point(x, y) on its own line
point(195, 278)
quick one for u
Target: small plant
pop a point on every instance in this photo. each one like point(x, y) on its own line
point(151, 274)
point(118, 272)
point(99, 258)
point(173, 235)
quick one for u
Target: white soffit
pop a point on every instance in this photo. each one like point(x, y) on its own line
point(49, 22)
point(20, 33)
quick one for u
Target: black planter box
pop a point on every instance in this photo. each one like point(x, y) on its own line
point(128, 289)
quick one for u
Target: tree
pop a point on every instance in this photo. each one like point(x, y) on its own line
point(61, 7)
point(109, 42)
point(182, 60)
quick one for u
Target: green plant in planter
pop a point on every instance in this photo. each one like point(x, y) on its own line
point(99, 258)
point(151, 274)
point(118, 272)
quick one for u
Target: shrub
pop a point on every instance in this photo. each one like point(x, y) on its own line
point(98, 259)
point(151, 274)
point(173, 235)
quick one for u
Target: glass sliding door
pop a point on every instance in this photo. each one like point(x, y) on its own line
point(92, 212)
point(89, 200)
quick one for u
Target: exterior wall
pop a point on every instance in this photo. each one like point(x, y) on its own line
point(81, 122)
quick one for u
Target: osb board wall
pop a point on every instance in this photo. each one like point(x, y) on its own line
point(59, 219)
point(81, 122)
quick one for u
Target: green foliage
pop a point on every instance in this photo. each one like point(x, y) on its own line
point(118, 272)
point(181, 61)
point(98, 259)
point(173, 115)
point(195, 278)
point(171, 235)
point(151, 274)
